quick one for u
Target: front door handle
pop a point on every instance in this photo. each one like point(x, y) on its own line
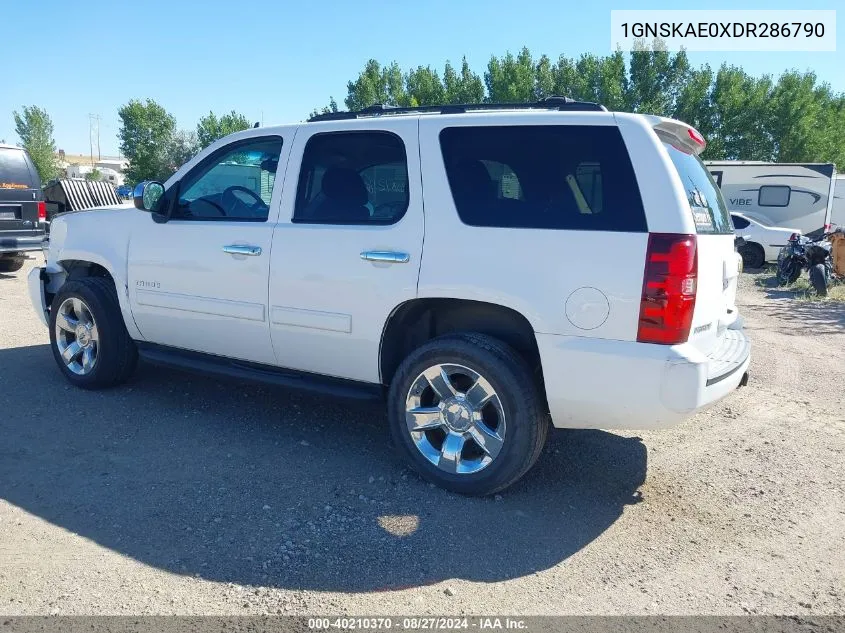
point(239, 249)
point(390, 257)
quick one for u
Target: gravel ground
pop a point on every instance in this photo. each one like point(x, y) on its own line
point(189, 495)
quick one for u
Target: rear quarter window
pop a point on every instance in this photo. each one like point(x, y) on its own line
point(543, 177)
point(706, 204)
point(14, 170)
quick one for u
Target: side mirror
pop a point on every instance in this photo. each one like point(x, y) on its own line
point(147, 194)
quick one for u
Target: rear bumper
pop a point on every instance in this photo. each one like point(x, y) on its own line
point(21, 244)
point(35, 283)
point(594, 383)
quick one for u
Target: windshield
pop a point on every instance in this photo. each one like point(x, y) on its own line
point(708, 208)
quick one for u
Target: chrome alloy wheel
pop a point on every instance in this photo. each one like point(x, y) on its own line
point(77, 337)
point(455, 418)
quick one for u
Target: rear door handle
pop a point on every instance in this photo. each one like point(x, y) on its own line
point(390, 257)
point(240, 249)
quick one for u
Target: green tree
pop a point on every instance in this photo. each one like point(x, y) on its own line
point(424, 87)
point(376, 84)
point(211, 127)
point(463, 87)
point(94, 175)
point(183, 146)
point(511, 79)
point(742, 116)
point(146, 132)
point(35, 129)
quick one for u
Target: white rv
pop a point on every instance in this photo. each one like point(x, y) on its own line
point(837, 212)
point(794, 195)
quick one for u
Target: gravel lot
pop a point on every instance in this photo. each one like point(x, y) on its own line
point(189, 495)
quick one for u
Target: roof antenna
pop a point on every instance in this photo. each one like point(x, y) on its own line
point(256, 125)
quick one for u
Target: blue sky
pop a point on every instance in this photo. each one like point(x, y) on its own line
point(278, 60)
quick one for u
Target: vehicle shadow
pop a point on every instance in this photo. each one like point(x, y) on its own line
point(250, 484)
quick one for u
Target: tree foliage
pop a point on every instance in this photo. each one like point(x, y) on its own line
point(792, 118)
point(211, 127)
point(35, 129)
point(146, 132)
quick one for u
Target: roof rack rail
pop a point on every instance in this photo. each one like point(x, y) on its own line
point(380, 109)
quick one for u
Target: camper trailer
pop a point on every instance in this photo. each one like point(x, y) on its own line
point(837, 212)
point(794, 195)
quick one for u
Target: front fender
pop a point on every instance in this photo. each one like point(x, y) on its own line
point(98, 237)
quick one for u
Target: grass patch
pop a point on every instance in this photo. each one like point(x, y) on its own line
point(801, 290)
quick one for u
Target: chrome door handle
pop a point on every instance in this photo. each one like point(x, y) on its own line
point(238, 249)
point(390, 257)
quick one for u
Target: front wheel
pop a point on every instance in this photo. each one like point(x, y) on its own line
point(88, 337)
point(466, 413)
point(788, 272)
point(818, 279)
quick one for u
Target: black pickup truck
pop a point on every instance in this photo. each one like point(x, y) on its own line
point(23, 213)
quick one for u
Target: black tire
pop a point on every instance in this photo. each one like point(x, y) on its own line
point(11, 264)
point(788, 272)
point(818, 279)
point(753, 255)
point(117, 355)
point(511, 378)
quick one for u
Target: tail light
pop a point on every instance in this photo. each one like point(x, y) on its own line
point(42, 211)
point(669, 286)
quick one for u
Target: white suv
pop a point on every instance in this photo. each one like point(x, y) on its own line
point(487, 269)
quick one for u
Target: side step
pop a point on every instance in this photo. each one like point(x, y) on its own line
point(244, 370)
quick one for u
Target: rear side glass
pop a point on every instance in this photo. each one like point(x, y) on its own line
point(707, 206)
point(774, 196)
point(543, 177)
point(14, 171)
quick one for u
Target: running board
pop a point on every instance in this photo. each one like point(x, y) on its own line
point(256, 372)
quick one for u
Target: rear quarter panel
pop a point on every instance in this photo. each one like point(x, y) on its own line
point(549, 276)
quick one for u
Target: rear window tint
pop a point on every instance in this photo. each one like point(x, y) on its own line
point(705, 199)
point(14, 171)
point(543, 177)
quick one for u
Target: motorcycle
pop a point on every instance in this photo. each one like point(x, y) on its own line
point(802, 253)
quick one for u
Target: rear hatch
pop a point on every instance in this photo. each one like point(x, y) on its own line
point(20, 192)
point(718, 263)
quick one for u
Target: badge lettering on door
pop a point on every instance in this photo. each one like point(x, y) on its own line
point(147, 284)
point(741, 202)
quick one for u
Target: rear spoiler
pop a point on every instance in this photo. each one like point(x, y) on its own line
point(683, 136)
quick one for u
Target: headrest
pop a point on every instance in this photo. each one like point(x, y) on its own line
point(474, 181)
point(344, 185)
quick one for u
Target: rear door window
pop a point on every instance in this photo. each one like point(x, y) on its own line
point(705, 199)
point(14, 171)
point(543, 177)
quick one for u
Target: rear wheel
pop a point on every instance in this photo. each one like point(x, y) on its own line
point(753, 255)
point(466, 413)
point(818, 279)
point(88, 337)
point(11, 264)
